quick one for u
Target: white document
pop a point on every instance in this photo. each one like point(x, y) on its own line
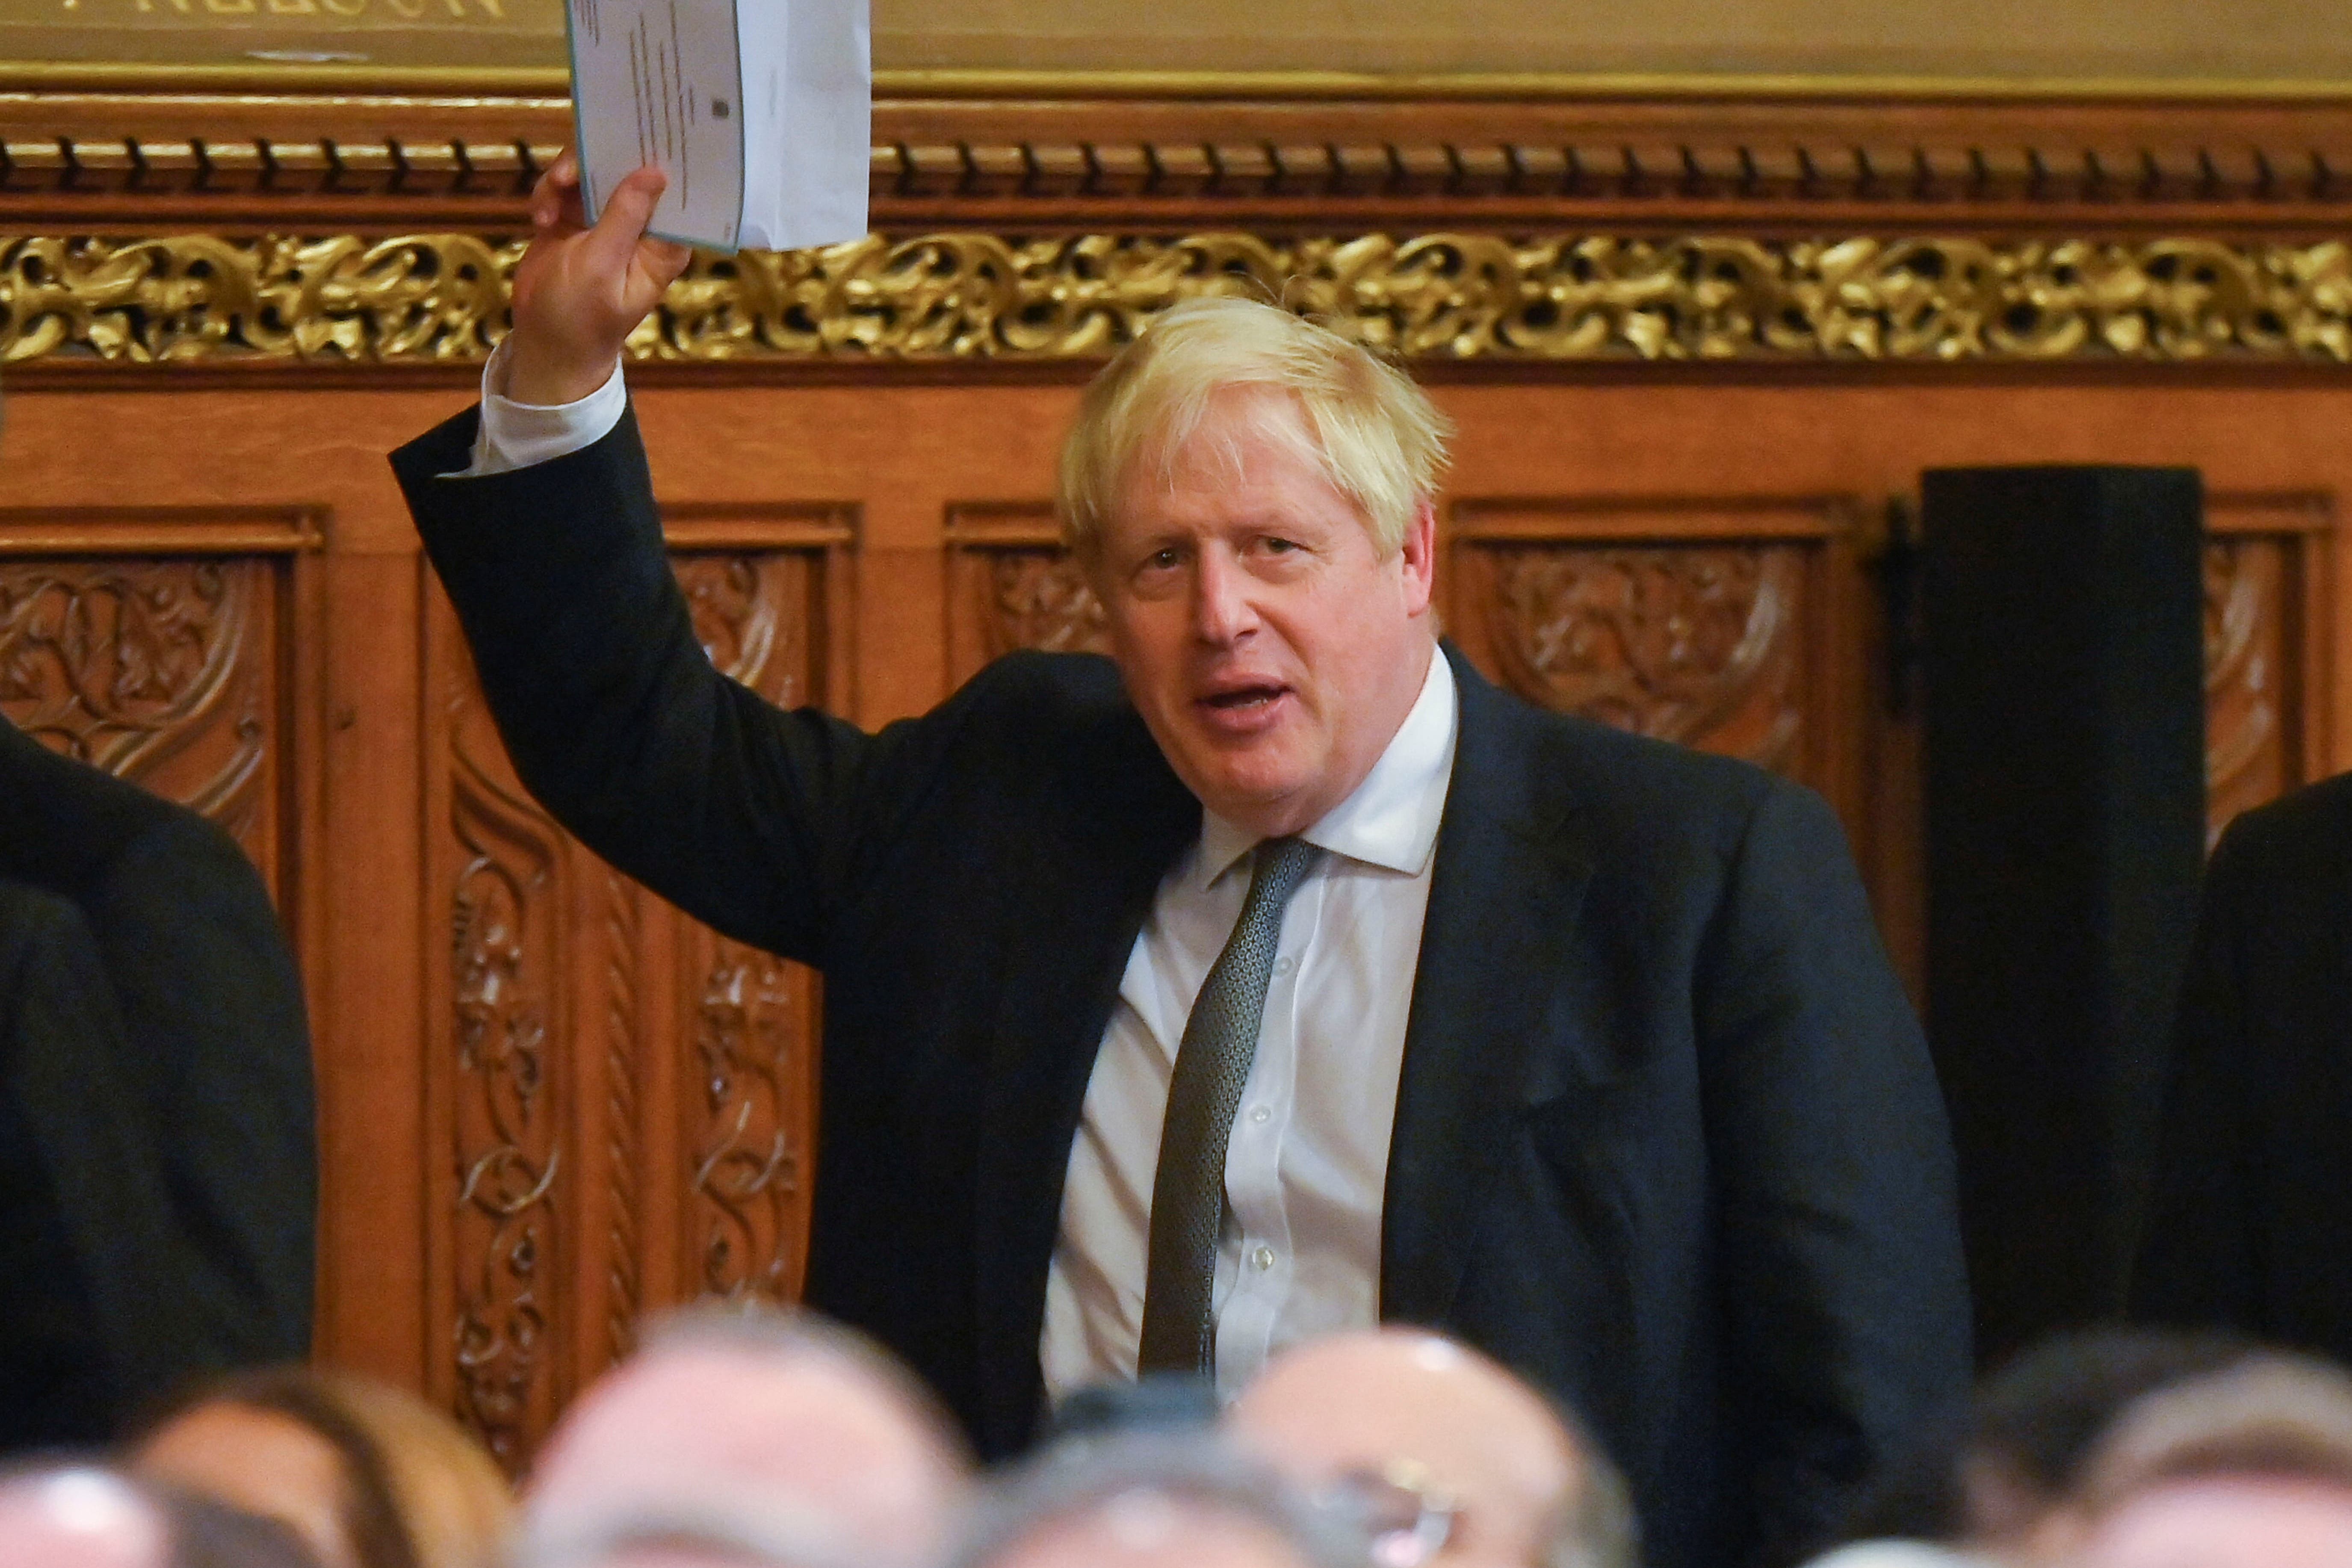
point(760, 111)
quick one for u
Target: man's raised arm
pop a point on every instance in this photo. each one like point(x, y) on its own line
point(746, 817)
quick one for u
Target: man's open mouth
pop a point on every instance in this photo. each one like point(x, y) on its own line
point(1241, 698)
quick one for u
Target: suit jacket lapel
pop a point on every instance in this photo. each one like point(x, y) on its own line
point(1087, 888)
point(1503, 903)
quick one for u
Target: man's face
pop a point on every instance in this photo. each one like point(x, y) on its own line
point(1271, 647)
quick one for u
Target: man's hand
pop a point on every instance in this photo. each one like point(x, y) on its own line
point(579, 292)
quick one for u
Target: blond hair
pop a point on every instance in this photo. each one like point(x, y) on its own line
point(1376, 435)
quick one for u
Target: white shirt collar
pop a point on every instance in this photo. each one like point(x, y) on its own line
point(1392, 819)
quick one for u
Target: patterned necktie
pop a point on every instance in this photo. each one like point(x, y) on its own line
point(1188, 1192)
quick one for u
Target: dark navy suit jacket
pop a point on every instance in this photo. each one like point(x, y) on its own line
point(1667, 1139)
point(158, 1162)
point(2251, 1224)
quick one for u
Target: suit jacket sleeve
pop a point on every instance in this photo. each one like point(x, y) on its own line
point(2197, 1264)
point(1849, 1318)
point(750, 819)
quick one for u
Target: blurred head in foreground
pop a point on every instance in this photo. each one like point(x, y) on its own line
point(85, 1516)
point(367, 1476)
point(1445, 1456)
point(1996, 1475)
point(2250, 1466)
point(1153, 1500)
point(746, 1434)
point(1897, 1554)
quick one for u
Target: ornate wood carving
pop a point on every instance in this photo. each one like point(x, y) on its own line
point(624, 1275)
point(204, 296)
point(2267, 640)
point(1037, 598)
point(509, 1040)
point(629, 1095)
point(433, 298)
point(1068, 149)
point(164, 671)
point(1691, 643)
point(751, 1039)
point(753, 1027)
point(2244, 759)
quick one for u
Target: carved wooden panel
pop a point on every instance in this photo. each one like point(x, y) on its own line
point(510, 1024)
point(1710, 622)
point(2267, 629)
point(628, 1097)
point(169, 666)
point(753, 1025)
point(1010, 586)
point(1685, 643)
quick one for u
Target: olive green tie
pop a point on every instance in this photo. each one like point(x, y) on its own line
point(1213, 1064)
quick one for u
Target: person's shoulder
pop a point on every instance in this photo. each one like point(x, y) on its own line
point(178, 844)
point(62, 820)
point(2317, 818)
point(85, 834)
point(1029, 699)
point(1030, 726)
point(1618, 775)
point(2304, 838)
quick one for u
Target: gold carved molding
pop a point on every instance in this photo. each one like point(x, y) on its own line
point(965, 296)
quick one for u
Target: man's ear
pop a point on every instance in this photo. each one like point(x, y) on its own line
point(1419, 555)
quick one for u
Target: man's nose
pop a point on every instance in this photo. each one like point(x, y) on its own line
point(1222, 611)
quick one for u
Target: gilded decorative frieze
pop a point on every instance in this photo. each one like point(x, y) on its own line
point(967, 295)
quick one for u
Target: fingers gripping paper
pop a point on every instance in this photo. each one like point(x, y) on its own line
point(759, 110)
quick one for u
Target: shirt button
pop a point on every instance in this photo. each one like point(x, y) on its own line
point(1283, 966)
point(1263, 1258)
point(1261, 1115)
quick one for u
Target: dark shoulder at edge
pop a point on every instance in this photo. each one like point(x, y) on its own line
point(1064, 695)
point(1655, 782)
point(148, 834)
point(2305, 833)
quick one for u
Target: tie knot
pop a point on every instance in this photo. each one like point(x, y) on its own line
point(1276, 867)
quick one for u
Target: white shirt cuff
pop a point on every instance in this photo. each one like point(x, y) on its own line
point(518, 435)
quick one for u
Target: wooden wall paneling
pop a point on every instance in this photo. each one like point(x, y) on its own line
point(2269, 635)
point(1055, 151)
point(1010, 586)
point(620, 1097)
point(159, 643)
point(1719, 622)
point(773, 590)
point(500, 1176)
point(621, 1103)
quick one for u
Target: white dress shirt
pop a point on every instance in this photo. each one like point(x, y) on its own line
point(1307, 1167)
point(517, 435)
point(1308, 1164)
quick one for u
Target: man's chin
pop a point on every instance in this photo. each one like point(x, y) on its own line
point(1262, 799)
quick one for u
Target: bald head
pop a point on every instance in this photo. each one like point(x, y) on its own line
point(1172, 1499)
point(802, 1430)
point(1395, 1408)
point(1147, 1531)
point(80, 1518)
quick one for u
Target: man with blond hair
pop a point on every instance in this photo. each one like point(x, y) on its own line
point(1274, 976)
